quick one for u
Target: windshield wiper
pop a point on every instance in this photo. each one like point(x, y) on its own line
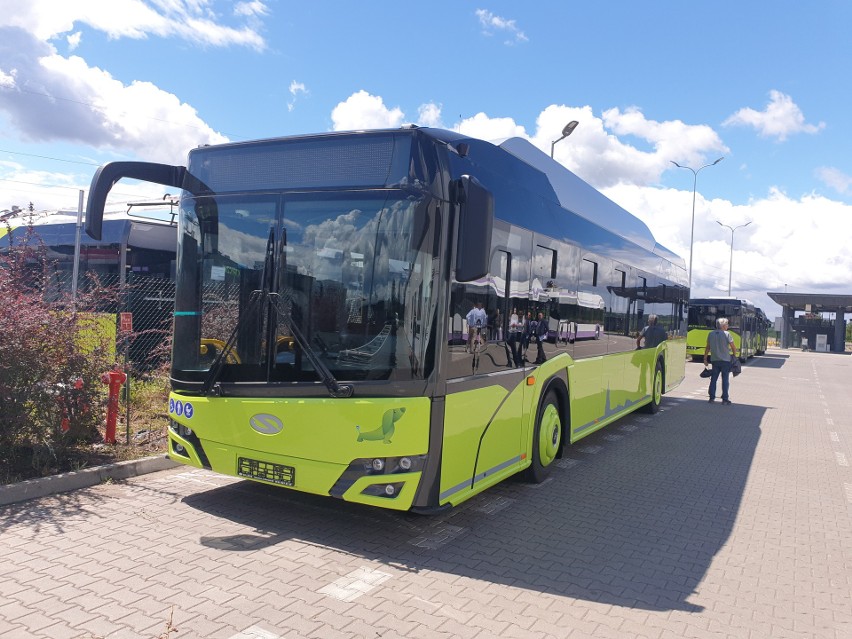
point(255, 297)
point(335, 389)
point(263, 297)
point(216, 368)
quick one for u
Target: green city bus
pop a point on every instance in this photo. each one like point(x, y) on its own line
point(322, 288)
point(749, 332)
point(761, 331)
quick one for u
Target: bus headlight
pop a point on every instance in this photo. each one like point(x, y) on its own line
point(376, 467)
point(388, 491)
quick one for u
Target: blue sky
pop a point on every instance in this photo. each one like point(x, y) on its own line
point(762, 84)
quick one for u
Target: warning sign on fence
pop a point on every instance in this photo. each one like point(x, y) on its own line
point(126, 322)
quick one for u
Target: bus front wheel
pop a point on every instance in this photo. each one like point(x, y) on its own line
point(547, 437)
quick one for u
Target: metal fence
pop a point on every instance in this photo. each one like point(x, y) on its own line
point(143, 304)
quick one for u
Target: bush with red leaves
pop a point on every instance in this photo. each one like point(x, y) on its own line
point(51, 358)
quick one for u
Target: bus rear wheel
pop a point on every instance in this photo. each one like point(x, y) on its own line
point(547, 437)
point(656, 390)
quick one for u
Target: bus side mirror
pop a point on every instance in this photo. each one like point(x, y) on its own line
point(107, 175)
point(476, 220)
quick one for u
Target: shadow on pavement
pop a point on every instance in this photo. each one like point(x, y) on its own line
point(633, 516)
point(768, 361)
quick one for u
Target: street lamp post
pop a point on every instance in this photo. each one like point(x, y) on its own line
point(692, 227)
point(731, 266)
point(568, 130)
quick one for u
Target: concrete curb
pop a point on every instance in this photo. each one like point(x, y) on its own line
point(34, 488)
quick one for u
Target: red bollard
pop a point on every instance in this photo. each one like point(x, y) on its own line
point(115, 378)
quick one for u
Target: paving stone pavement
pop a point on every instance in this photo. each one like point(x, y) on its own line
point(702, 521)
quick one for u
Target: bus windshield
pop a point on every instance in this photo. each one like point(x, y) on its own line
point(705, 315)
point(271, 283)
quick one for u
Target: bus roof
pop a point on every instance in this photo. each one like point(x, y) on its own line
point(580, 197)
point(576, 195)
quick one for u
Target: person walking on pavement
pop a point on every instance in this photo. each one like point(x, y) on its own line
point(720, 349)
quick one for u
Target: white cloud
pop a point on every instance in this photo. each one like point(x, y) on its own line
point(192, 20)
point(7, 80)
point(781, 118)
point(45, 189)
point(487, 128)
point(596, 152)
point(429, 115)
point(74, 40)
point(364, 111)
point(296, 88)
point(254, 8)
point(830, 176)
point(492, 23)
point(63, 99)
point(784, 235)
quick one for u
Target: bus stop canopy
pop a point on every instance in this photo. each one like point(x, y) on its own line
point(818, 302)
point(813, 303)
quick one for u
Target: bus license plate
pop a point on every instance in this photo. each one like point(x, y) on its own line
point(267, 471)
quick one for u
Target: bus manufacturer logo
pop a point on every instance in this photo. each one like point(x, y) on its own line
point(266, 424)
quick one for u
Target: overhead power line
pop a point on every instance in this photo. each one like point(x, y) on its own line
point(47, 157)
point(61, 186)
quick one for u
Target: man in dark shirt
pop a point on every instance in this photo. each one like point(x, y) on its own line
point(652, 334)
point(540, 329)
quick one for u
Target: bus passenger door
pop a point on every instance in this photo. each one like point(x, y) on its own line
point(498, 454)
point(485, 390)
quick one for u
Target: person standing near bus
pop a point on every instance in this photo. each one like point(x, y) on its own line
point(516, 330)
point(653, 334)
point(495, 326)
point(540, 330)
point(720, 349)
point(476, 319)
point(526, 334)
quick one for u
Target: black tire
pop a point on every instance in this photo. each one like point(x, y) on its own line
point(656, 390)
point(547, 438)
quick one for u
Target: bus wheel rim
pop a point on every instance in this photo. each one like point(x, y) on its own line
point(658, 388)
point(549, 435)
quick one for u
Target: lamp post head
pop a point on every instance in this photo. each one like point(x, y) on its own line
point(569, 128)
point(566, 131)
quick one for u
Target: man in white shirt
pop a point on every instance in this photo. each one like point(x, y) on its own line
point(720, 348)
point(476, 314)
